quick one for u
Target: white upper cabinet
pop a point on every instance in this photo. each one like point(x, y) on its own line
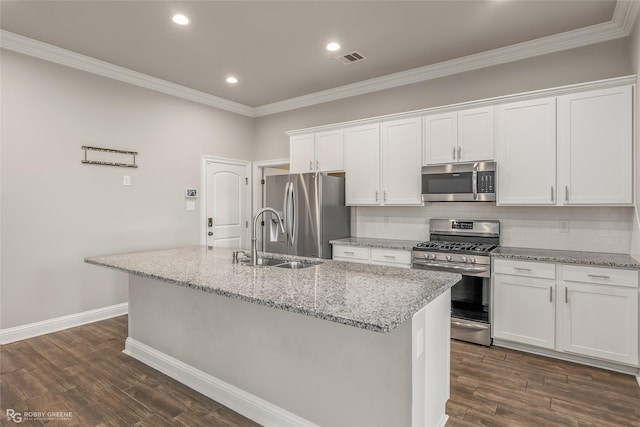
point(459, 136)
point(318, 152)
point(526, 153)
point(440, 138)
point(475, 134)
point(575, 149)
point(362, 165)
point(595, 137)
point(302, 153)
point(401, 144)
point(382, 163)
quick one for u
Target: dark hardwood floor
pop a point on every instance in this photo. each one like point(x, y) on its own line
point(83, 371)
point(500, 387)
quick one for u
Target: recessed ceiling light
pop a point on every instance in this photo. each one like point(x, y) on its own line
point(231, 79)
point(333, 46)
point(180, 19)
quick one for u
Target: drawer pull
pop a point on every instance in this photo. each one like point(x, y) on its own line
point(349, 253)
point(521, 269)
point(599, 276)
point(390, 256)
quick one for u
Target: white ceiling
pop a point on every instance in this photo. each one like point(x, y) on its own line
point(276, 48)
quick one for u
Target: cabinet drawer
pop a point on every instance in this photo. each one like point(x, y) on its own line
point(392, 256)
point(543, 270)
point(600, 275)
point(351, 252)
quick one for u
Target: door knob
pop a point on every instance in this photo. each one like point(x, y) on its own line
point(210, 233)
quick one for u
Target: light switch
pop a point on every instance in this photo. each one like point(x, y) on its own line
point(191, 206)
point(126, 180)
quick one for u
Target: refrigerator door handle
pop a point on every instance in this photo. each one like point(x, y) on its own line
point(285, 210)
point(292, 213)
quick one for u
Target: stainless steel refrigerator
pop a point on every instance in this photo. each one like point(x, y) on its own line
point(313, 208)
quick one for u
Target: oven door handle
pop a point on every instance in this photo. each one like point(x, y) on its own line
point(470, 326)
point(453, 268)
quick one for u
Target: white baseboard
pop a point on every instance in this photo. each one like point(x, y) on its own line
point(252, 407)
point(444, 420)
point(31, 330)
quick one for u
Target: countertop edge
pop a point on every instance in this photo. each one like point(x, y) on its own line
point(593, 259)
point(370, 242)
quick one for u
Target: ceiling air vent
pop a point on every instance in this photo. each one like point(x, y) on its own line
point(350, 58)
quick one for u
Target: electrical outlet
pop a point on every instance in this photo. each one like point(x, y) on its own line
point(126, 180)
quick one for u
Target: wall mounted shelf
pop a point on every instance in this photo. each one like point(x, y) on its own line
point(109, 157)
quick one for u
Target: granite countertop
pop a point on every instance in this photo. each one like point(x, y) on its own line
point(376, 243)
point(597, 259)
point(376, 298)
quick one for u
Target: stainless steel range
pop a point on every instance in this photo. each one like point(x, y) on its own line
point(464, 247)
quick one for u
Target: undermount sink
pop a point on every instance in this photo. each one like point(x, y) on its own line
point(295, 264)
point(280, 263)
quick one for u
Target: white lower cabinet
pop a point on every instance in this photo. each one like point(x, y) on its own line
point(376, 256)
point(524, 310)
point(598, 315)
point(573, 309)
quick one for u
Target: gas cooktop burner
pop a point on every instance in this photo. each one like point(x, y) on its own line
point(444, 246)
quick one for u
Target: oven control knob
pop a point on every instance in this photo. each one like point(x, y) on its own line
point(448, 257)
point(472, 260)
point(464, 259)
point(432, 256)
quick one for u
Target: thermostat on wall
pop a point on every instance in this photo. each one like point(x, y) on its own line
point(191, 193)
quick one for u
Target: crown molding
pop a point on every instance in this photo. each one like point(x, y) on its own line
point(621, 24)
point(47, 52)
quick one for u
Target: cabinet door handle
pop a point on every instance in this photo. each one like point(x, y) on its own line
point(317, 164)
point(566, 295)
point(550, 293)
point(376, 195)
point(454, 153)
point(310, 165)
point(566, 193)
point(459, 153)
point(384, 195)
point(599, 276)
point(552, 194)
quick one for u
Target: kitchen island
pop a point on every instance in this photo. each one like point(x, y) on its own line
point(333, 344)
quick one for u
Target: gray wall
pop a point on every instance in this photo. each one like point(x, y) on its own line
point(55, 211)
point(574, 66)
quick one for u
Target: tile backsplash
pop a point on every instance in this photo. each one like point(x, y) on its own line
point(593, 229)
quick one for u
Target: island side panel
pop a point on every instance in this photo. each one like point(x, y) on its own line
point(431, 349)
point(322, 371)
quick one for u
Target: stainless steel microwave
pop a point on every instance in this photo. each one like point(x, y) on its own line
point(459, 182)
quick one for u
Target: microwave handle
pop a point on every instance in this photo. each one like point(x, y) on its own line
point(474, 181)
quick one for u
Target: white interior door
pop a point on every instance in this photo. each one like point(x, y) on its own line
point(227, 205)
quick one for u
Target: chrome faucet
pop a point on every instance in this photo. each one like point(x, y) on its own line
point(254, 239)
